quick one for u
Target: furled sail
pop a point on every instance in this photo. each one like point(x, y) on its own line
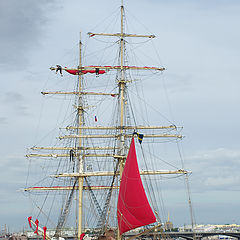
point(76, 72)
point(133, 208)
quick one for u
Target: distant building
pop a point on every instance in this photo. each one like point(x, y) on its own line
point(211, 228)
point(168, 225)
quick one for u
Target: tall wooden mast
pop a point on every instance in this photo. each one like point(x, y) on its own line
point(80, 156)
point(122, 84)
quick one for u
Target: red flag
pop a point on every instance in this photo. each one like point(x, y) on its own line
point(36, 222)
point(29, 221)
point(133, 208)
point(44, 232)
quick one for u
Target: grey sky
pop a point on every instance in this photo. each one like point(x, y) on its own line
point(198, 43)
point(22, 25)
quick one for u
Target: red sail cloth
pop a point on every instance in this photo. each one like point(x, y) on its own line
point(75, 72)
point(133, 208)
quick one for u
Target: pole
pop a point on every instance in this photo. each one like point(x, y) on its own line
point(80, 158)
point(121, 95)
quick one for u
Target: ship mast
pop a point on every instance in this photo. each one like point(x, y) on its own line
point(122, 113)
point(80, 156)
point(122, 136)
point(122, 84)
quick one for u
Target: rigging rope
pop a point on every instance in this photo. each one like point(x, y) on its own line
point(102, 220)
point(65, 212)
point(100, 212)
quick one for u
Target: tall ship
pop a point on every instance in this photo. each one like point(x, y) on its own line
point(104, 170)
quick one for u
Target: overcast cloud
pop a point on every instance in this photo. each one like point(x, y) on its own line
point(22, 26)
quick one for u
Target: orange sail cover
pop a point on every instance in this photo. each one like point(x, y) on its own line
point(133, 208)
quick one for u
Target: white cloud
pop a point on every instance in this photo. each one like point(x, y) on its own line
point(224, 181)
point(216, 169)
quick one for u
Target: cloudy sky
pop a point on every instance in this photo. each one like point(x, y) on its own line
point(198, 43)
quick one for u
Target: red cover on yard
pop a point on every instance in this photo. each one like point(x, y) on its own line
point(74, 72)
point(133, 208)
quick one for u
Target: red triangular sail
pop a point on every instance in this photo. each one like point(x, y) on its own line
point(133, 208)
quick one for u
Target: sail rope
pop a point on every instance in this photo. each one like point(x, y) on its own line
point(65, 212)
point(150, 106)
point(137, 20)
point(149, 184)
point(41, 210)
point(187, 186)
point(146, 165)
point(100, 211)
point(91, 142)
point(102, 220)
